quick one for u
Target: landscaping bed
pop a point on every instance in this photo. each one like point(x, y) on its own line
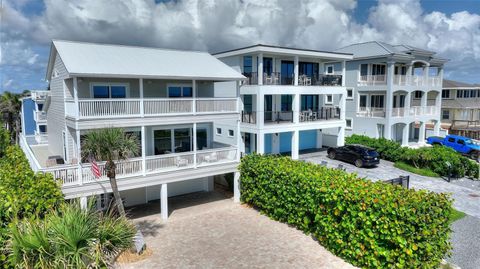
point(369, 224)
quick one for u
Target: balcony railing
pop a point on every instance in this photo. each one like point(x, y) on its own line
point(401, 80)
point(82, 174)
point(324, 113)
point(40, 116)
point(372, 80)
point(275, 78)
point(371, 112)
point(99, 108)
point(278, 116)
point(414, 111)
point(249, 117)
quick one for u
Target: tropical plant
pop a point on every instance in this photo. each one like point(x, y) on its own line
point(10, 106)
point(4, 140)
point(70, 237)
point(110, 145)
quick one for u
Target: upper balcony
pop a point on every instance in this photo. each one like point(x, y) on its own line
point(276, 78)
point(39, 95)
point(136, 98)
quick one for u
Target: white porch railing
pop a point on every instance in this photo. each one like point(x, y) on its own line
point(371, 112)
point(98, 108)
point(159, 163)
point(371, 80)
point(40, 116)
point(130, 167)
point(435, 81)
point(401, 80)
point(398, 112)
point(213, 156)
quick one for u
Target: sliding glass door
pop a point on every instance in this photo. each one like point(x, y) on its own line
point(178, 140)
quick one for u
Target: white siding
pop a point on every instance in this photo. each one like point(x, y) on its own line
point(56, 110)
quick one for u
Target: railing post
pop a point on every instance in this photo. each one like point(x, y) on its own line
point(80, 174)
point(194, 145)
point(140, 82)
point(75, 98)
point(144, 150)
point(194, 95)
point(295, 74)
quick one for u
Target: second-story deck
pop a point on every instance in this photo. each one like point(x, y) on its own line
point(275, 78)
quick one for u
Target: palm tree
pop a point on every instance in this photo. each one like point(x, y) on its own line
point(110, 145)
point(10, 107)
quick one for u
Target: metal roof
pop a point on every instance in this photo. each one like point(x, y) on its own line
point(462, 103)
point(377, 48)
point(106, 60)
point(448, 84)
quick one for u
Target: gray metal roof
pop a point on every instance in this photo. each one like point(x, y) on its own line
point(105, 60)
point(461, 103)
point(377, 48)
point(448, 84)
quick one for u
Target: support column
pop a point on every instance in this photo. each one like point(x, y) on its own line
point(236, 187)
point(389, 99)
point(408, 99)
point(343, 73)
point(421, 133)
point(194, 96)
point(295, 141)
point(260, 109)
point(164, 201)
point(341, 137)
point(296, 108)
point(79, 157)
point(275, 143)
point(423, 102)
point(436, 128)
point(194, 130)
point(295, 63)
point(426, 74)
point(83, 202)
point(261, 143)
point(405, 134)
point(319, 139)
point(409, 74)
point(75, 98)
point(260, 69)
point(140, 83)
point(343, 105)
point(144, 150)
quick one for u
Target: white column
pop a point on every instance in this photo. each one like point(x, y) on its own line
point(83, 202)
point(194, 131)
point(194, 96)
point(261, 143)
point(275, 143)
point(79, 157)
point(144, 150)
point(319, 139)
point(343, 105)
point(343, 73)
point(75, 97)
point(140, 83)
point(164, 201)
point(423, 100)
point(389, 99)
point(260, 109)
point(260, 69)
point(426, 74)
point(239, 140)
point(341, 137)
point(408, 99)
point(436, 128)
point(409, 74)
point(295, 147)
point(295, 63)
point(421, 133)
point(296, 108)
point(405, 134)
point(236, 187)
point(440, 73)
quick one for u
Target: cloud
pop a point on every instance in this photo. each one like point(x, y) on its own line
point(215, 25)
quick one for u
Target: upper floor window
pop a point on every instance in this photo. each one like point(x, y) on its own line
point(363, 69)
point(309, 69)
point(180, 91)
point(348, 124)
point(40, 107)
point(378, 69)
point(445, 114)
point(247, 64)
point(445, 94)
point(363, 100)
point(268, 66)
point(349, 93)
point(109, 90)
point(417, 95)
point(400, 70)
point(377, 101)
point(328, 99)
point(473, 94)
point(330, 69)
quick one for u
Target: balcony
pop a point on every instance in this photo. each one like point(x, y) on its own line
point(39, 95)
point(372, 80)
point(79, 174)
point(371, 112)
point(275, 78)
point(108, 108)
point(324, 113)
point(414, 111)
point(277, 117)
point(400, 80)
point(249, 117)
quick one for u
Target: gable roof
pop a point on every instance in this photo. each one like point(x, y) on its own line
point(106, 60)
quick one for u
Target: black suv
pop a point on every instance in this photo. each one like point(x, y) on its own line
point(357, 154)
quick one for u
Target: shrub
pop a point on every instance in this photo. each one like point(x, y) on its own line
point(4, 140)
point(431, 158)
point(70, 237)
point(370, 224)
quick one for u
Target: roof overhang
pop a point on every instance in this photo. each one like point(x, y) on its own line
point(286, 52)
point(130, 76)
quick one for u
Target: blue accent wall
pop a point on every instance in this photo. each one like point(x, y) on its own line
point(268, 143)
point(28, 119)
point(308, 139)
point(286, 142)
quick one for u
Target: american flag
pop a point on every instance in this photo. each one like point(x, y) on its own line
point(95, 169)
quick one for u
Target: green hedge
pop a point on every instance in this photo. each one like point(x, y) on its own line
point(369, 224)
point(431, 158)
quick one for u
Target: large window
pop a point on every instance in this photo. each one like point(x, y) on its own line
point(377, 101)
point(268, 66)
point(247, 103)
point(247, 64)
point(287, 72)
point(363, 101)
point(109, 91)
point(309, 102)
point(180, 91)
point(417, 94)
point(445, 114)
point(445, 94)
point(378, 69)
point(286, 102)
point(363, 70)
point(175, 140)
point(400, 70)
point(309, 69)
point(162, 141)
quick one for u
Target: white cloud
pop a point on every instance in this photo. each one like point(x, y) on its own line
point(215, 25)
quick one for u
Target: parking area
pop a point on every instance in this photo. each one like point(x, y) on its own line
point(209, 230)
point(465, 192)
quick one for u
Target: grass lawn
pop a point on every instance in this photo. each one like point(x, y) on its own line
point(418, 171)
point(456, 215)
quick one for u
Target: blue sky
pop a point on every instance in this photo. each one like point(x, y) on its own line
point(451, 28)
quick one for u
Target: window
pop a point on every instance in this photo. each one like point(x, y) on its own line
point(42, 128)
point(459, 94)
point(309, 102)
point(309, 69)
point(363, 100)
point(363, 71)
point(378, 69)
point(247, 64)
point(286, 104)
point(473, 93)
point(328, 99)
point(451, 139)
point(466, 94)
point(248, 103)
point(268, 66)
point(461, 142)
point(400, 70)
point(40, 107)
point(348, 124)
point(377, 101)
point(180, 91)
point(231, 133)
point(109, 90)
point(445, 94)
point(350, 93)
point(219, 131)
point(330, 70)
point(417, 95)
point(445, 114)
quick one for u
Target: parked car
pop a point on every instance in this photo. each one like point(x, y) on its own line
point(357, 154)
point(461, 144)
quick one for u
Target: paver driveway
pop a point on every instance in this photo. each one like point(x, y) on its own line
point(208, 230)
point(465, 192)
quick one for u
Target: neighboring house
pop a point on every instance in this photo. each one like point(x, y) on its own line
point(168, 98)
point(33, 116)
point(461, 108)
point(294, 99)
point(394, 91)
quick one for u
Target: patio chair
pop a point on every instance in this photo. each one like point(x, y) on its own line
point(308, 81)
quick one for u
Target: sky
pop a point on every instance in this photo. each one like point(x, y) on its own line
point(450, 28)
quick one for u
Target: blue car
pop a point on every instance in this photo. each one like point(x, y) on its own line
point(460, 144)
